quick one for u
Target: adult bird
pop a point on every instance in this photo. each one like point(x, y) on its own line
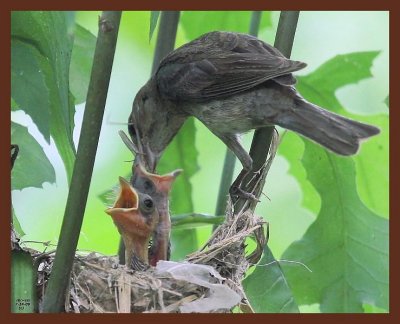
point(136, 218)
point(233, 83)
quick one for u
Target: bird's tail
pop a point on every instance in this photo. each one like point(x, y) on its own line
point(337, 133)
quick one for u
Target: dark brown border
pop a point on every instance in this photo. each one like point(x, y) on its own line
point(204, 5)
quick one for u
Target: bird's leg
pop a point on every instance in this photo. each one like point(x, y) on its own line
point(233, 143)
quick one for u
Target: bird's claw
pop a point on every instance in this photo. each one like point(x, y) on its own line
point(238, 192)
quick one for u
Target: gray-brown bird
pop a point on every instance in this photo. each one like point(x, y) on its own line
point(136, 218)
point(233, 83)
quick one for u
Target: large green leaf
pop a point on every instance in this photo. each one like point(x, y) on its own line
point(347, 235)
point(32, 168)
point(267, 289)
point(319, 87)
point(346, 247)
point(196, 23)
point(341, 70)
point(181, 153)
point(45, 33)
point(28, 84)
point(81, 62)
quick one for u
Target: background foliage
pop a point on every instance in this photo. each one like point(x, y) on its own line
point(326, 211)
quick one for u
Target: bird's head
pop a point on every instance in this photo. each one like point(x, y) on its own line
point(136, 217)
point(151, 183)
point(153, 123)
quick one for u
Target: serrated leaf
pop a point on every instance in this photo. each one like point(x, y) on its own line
point(81, 62)
point(319, 87)
point(23, 283)
point(267, 289)
point(32, 167)
point(46, 32)
point(196, 23)
point(340, 245)
point(153, 22)
point(341, 70)
point(182, 153)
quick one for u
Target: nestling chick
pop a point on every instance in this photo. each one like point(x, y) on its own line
point(233, 83)
point(136, 218)
point(158, 187)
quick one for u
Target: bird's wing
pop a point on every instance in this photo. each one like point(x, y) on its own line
point(220, 64)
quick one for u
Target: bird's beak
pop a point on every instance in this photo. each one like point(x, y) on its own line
point(127, 201)
point(131, 223)
point(163, 183)
point(151, 158)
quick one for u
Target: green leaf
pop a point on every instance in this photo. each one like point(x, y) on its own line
point(267, 289)
point(181, 153)
point(23, 283)
point(342, 70)
point(387, 101)
point(81, 63)
point(153, 22)
point(32, 168)
point(45, 32)
point(339, 246)
point(319, 87)
point(16, 224)
point(28, 84)
point(196, 23)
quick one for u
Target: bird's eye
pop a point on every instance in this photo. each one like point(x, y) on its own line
point(131, 128)
point(148, 186)
point(148, 203)
point(144, 98)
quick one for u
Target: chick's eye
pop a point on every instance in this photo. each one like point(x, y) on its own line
point(144, 98)
point(148, 203)
point(148, 186)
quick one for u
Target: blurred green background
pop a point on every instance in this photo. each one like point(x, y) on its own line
point(320, 36)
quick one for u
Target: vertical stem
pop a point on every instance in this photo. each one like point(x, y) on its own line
point(166, 36)
point(54, 298)
point(262, 137)
point(230, 158)
point(255, 22)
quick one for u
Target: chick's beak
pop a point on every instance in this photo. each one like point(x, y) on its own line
point(163, 183)
point(127, 201)
point(131, 223)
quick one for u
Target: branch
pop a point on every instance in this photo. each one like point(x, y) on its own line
point(166, 36)
point(54, 298)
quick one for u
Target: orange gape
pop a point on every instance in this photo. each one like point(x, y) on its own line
point(158, 187)
point(136, 217)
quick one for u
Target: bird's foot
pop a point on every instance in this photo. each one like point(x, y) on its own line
point(236, 191)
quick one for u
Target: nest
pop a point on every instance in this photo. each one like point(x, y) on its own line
point(208, 280)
